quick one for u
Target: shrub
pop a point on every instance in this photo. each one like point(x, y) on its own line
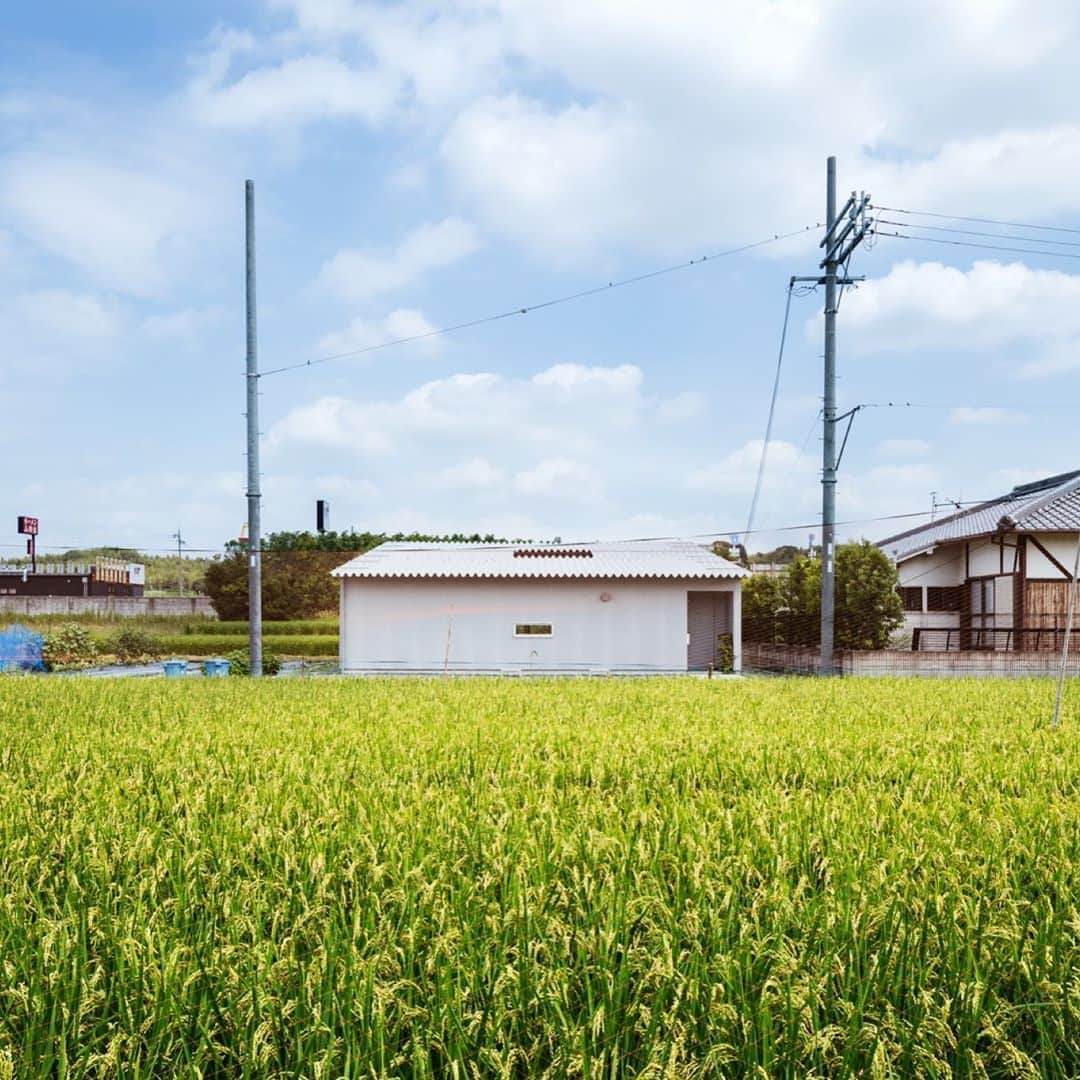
point(69, 646)
point(132, 646)
point(239, 662)
point(725, 653)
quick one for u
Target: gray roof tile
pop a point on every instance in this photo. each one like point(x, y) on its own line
point(1050, 505)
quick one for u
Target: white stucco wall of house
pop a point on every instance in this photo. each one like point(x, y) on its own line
point(1061, 545)
point(469, 624)
point(942, 566)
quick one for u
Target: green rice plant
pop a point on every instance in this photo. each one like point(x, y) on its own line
point(218, 644)
point(517, 878)
point(315, 627)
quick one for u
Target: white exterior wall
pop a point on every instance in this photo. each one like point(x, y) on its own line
point(468, 624)
point(1061, 545)
point(984, 558)
point(943, 566)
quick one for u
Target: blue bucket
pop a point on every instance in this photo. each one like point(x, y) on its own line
point(216, 668)
point(174, 669)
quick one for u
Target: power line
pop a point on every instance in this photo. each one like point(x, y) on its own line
point(503, 545)
point(529, 308)
point(971, 244)
point(978, 220)
point(978, 232)
point(772, 411)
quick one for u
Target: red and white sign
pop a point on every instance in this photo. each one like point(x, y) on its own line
point(28, 526)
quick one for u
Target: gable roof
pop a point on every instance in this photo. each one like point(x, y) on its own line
point(1048, 505)
point(625, 559)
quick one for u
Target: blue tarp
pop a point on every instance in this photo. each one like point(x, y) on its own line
point(20, 649)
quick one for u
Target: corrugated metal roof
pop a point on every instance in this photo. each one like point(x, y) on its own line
point(627, 559)
point(1050, 505)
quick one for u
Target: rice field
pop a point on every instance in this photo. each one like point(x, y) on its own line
point(581, 878)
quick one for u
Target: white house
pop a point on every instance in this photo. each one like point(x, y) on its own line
point(995, 576)
point(618, 607)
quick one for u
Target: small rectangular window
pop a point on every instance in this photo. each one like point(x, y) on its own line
point(943, 597)
point(911, 595)
point(532, 629)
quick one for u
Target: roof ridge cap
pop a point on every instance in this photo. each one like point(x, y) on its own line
point(1041, 503)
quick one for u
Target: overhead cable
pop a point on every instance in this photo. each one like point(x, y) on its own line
point(772, 411)
point(529, 308)
point(978, 232)
point(971, 244)
point(977, 220)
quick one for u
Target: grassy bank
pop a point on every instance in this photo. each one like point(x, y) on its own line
point(516, 878)
point(200, 637)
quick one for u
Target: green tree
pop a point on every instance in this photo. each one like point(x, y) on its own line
point(296, 581)
point(761, 607)
point(868, 604)
point(786, 607)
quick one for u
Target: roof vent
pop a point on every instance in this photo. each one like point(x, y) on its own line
point(553, 553)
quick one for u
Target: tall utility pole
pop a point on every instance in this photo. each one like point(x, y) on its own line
point(180, 542)
point(844, 231)
point(828, 464)
point(253, 495)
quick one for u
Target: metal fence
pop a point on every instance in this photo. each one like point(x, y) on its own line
point(983, 661)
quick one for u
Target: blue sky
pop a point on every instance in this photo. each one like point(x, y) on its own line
point(422, 164)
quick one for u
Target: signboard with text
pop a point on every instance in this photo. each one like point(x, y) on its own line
point(28, 526)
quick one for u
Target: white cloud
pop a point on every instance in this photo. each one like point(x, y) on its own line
point(974, 415)
point(119, 224)
point(902, 448)
point(364, 333)
point(992, 307)
point(667, 121)
point(184, 324)
point(577, 379)
point(568, 405)
point(736, 473)
point(58, 330)
point(297, 90)
point(933, 306)
point(681, 407)
point(477, 473)
point(545, 176)
point(559, 478)
point(1056, 358)
point(355, 276)
point(68, 316)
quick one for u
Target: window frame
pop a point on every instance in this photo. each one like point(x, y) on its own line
point(907, 594)
point(944, 598)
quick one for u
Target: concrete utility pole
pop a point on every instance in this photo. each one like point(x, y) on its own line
point(844, 231)
point(180, 542)
point(828, 464)
point(253, 495)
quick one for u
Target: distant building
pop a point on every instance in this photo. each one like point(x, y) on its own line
point(995, 576)
point(104, 577)
point(616, 607)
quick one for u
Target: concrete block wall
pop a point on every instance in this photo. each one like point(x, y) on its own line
point(107, 605)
